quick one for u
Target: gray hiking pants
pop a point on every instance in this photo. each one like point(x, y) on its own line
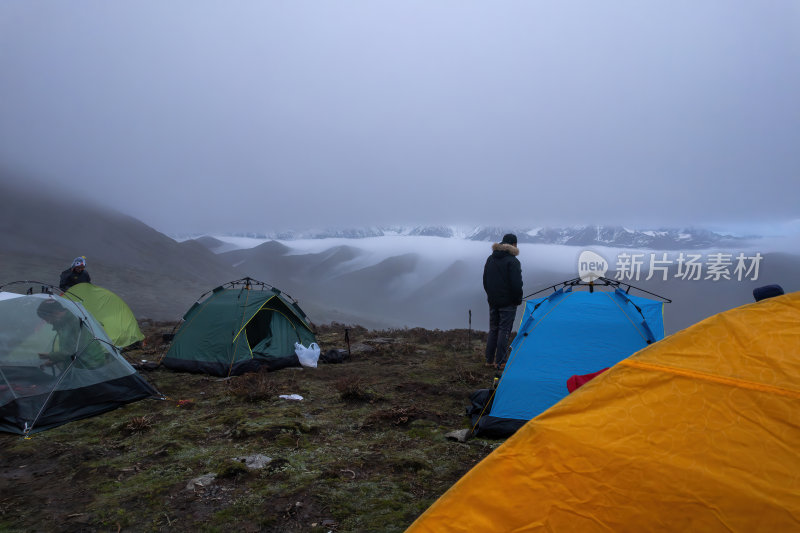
point(501, 319)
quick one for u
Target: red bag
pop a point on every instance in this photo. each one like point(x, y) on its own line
point(575, 382)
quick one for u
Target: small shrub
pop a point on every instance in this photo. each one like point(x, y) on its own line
point(353, 388)
point(467, 376)
point(406, 348)
point(396, 416)
point(139, 424)
point(232, 468)
point(254, 387)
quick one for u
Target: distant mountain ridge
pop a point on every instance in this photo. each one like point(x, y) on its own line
point(376, 283)
point(614, 236)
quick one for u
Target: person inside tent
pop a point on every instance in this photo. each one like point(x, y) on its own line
point(67, 342)
point(502, 281)
point(75, 274)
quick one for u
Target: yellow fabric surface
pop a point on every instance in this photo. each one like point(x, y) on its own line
point(699, 432)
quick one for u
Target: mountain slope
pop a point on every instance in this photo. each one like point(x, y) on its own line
point(159, 278)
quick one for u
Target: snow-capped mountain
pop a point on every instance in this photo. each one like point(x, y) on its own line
point(614, 236)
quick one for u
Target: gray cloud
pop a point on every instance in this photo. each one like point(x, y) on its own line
point(254, 115)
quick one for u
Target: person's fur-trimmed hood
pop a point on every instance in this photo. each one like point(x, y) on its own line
point(502, 247)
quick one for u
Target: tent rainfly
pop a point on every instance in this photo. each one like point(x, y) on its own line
point(697, 432)
point(239, 327)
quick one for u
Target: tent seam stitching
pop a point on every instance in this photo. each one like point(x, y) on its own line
point(742, 383)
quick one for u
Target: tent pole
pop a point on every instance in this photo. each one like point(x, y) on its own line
point(605, 281)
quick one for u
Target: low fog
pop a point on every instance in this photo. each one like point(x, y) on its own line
point(254, 116)
point(187, 118)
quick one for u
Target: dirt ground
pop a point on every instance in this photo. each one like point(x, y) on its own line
point(364, 450)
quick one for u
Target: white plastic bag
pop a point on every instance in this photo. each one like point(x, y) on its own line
point(307, 356)
point(296, 397)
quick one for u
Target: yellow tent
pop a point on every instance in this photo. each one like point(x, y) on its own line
point(107, 308)
point(698, 432)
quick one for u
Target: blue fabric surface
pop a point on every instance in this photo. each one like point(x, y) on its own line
point(568, 333)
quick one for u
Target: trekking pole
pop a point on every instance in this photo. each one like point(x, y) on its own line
point(469, 331)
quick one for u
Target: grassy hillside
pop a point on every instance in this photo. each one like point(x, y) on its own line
point(363, 451)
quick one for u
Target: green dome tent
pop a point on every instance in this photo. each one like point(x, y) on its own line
point(239, 327)
point(107, 308)
point(57, 365)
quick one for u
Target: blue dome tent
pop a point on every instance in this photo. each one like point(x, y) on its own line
point(570, 332)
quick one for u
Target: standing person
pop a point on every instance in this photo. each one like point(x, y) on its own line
point(75, 274)
point(502, 281)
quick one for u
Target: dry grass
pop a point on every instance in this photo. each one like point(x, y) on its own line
point(353, 388)
point(367, 434)
point(394, 416)
point(139, 424)
point(255, 387)
point(467, 375)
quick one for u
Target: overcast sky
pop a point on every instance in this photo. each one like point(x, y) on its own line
point(263, 115)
